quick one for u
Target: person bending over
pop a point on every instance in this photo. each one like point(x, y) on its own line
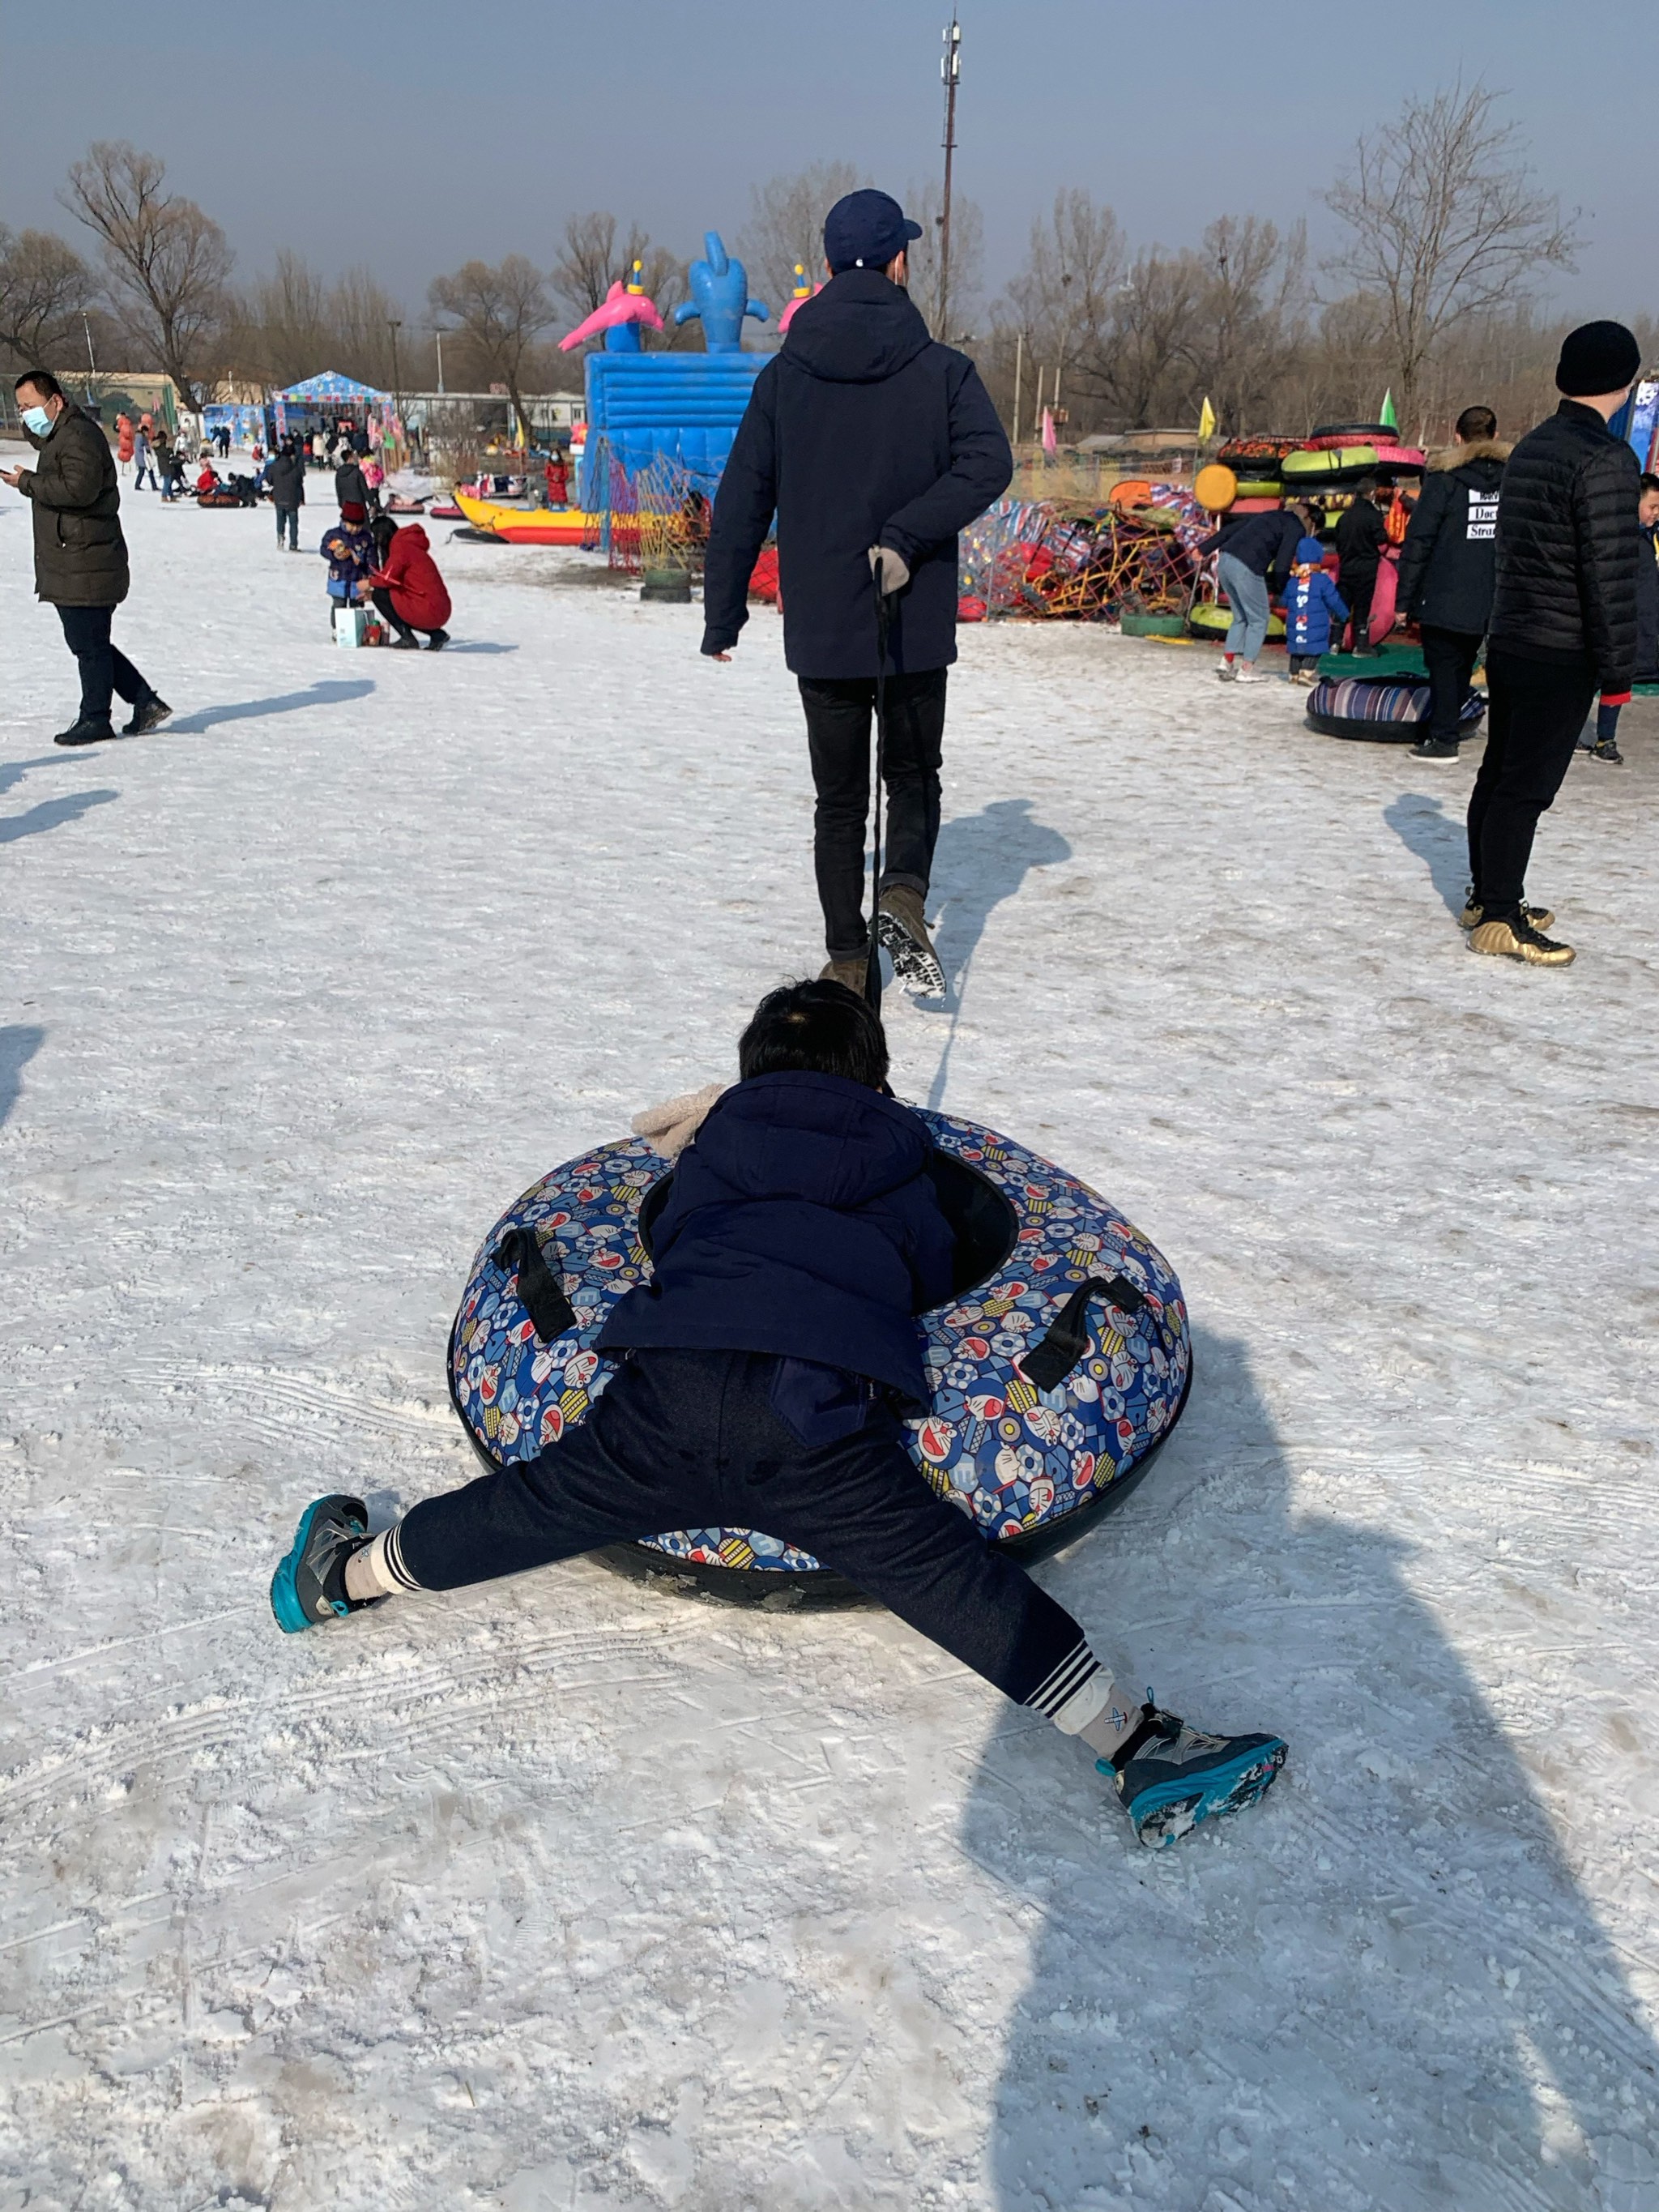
point(765, 1369)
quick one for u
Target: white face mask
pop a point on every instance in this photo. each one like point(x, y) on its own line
point(37, 420)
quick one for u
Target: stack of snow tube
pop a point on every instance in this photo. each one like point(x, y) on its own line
point(1058, 1369)
point(1383, 710)
point(1337, 456)
point(1209, 620)
point(1258, 465)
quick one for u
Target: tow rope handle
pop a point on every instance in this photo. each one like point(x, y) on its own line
point(1047, 1364)
point(883, 625)
point(540, 1292)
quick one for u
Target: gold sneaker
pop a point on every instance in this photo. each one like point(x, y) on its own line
point(1520, 941)
point(1536, 917)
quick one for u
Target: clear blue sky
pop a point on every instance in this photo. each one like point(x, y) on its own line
point(411, 138)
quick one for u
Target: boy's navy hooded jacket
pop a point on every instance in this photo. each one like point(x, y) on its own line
point(802, 1221)
point(863, 431)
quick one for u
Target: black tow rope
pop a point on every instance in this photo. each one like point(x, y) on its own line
point(540, 1292)
point(1047, 1364)
point(884, 623)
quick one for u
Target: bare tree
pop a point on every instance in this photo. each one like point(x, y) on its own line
point(589, 262)
point(1444, 220)
point(1061, 305)
point(168, 261)
point(45, 290)
point(500, 312)
point(1250, 315)
point(786, 226)
point(924, 203)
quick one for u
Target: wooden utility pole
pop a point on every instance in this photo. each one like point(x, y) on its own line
point(950, 70)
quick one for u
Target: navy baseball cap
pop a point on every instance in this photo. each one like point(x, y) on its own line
point(864, 230)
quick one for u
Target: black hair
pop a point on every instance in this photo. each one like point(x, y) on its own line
point(1650, 482)
point(1366, 487)
point(1476, 423)
point(814, 1029)
point(43, 382)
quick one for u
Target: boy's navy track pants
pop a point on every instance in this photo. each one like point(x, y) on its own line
point(695, 1440)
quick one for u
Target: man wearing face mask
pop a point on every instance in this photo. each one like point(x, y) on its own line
point(875, 444)
point(80, 555)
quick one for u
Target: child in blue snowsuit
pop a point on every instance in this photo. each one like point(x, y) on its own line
point(349, 550)
point(767, 1369)
point(1312, 604)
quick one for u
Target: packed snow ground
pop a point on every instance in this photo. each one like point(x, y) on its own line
point(566, 1894)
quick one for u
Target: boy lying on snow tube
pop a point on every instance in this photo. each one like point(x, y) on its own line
point(802, 1214)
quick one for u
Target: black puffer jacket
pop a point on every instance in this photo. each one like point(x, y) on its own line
point(287, 477)
point(1647, 608)
point(863, 431)
point(1568, 543)
point(1446, 561)
point(80, 555)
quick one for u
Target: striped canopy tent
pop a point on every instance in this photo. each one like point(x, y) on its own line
point(328, 391)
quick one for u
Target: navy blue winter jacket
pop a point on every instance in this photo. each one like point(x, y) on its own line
point(862, 432)
point(802, 1221)
point(1312, 604)
point(1266, 543)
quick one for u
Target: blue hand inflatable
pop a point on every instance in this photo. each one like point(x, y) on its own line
point(719, 298)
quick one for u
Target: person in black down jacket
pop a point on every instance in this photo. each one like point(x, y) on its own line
point(80, 555)
point(875, 446)
point(1603, 742)
point(766, 1369)
point(287, 478)
point(1563, 624)
point(1446, 569)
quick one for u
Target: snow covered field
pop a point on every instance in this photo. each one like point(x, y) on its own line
point(565, 1893)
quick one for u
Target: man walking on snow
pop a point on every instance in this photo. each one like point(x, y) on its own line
point(80, 555)
point(874, 445)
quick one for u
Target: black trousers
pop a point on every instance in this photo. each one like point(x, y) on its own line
point(1534, 713)
point(105, 669)
point(1450, 657)
point(692, 1440)
point(1359, 587)
point(839, 710)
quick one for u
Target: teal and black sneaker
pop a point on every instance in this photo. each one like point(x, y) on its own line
point(309, 1585)
point(1169, 1777)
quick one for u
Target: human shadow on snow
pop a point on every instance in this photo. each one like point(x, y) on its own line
point(19, 1042)
point(1347, 1995)
point(51, 814)
point(327, 692)
point(980, 860)
point(1439, 840)
point(13, 772)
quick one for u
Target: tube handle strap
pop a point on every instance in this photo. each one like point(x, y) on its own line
point(540, 1290)
point(1048, 1363)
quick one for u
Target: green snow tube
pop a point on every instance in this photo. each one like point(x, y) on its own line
point(1210, 621)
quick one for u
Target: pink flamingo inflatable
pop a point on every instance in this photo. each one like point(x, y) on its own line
point(624, 308)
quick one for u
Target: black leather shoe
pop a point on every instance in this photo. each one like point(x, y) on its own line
point(150, 716)
point(85, 734)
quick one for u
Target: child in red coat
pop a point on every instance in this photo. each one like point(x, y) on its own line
point(409, 592)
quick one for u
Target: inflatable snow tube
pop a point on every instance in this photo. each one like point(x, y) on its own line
point(1209, 621)
point(1215, 488)
point(1382, 710)
point(1346, 465)
point(1334, 434)
point(1059, 1368)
